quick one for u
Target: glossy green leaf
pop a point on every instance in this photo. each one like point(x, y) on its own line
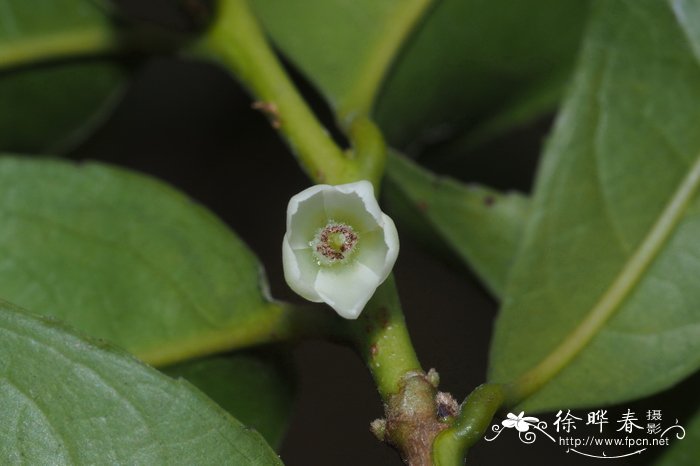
point(67, 400)
point(480, 65)
point(159, 274)
point(257, 388)
point(520, 116)
point(344, 47)
point(47, 103)
point(479, 224)
point(602, 304)
point(679, 405)
point(53, 109)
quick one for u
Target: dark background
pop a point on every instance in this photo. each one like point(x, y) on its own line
point(192, 126)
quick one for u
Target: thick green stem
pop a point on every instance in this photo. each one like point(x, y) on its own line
point(382, 338)
point(409, 394)
point(452, 444)
point(369, 151)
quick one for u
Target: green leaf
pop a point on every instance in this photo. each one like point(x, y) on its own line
point(679, 405)
point(344, 47)
point(686, 451)
point(480, 64)
point(519, 115)
point(257, 388)
point(126, 258)
point(67, 400)
point(53, 109)
point(48, 103)
point(481, 225)
point(602, 304)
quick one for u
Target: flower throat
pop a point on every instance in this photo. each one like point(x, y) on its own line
point(334, 244)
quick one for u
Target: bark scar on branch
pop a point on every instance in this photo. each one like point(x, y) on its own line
point(270, 110)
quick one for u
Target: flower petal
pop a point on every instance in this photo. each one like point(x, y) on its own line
point(379, 249)
point(306, 214)
point(365, 190)
point(354, 204)
point(347, 288)
point(372, 250)
point(300, 271)
point(391, 238)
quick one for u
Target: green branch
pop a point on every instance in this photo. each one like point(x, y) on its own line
point(381, 337)
point(236, 42)
point(410, 395)
point(369, 150)
point(452, 444)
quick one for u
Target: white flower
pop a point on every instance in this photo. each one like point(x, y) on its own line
point(521, 422)
point(339, 246)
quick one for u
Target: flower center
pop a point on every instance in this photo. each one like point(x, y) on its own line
point(335, 243)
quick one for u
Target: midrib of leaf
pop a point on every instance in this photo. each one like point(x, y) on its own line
point(256, 331)
point(75, 43)
point(611, 300)
point(361, 96)
point(691, 37)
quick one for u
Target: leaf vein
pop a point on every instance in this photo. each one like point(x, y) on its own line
point(630, 274)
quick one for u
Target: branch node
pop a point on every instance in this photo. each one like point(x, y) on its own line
point(412, 417)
